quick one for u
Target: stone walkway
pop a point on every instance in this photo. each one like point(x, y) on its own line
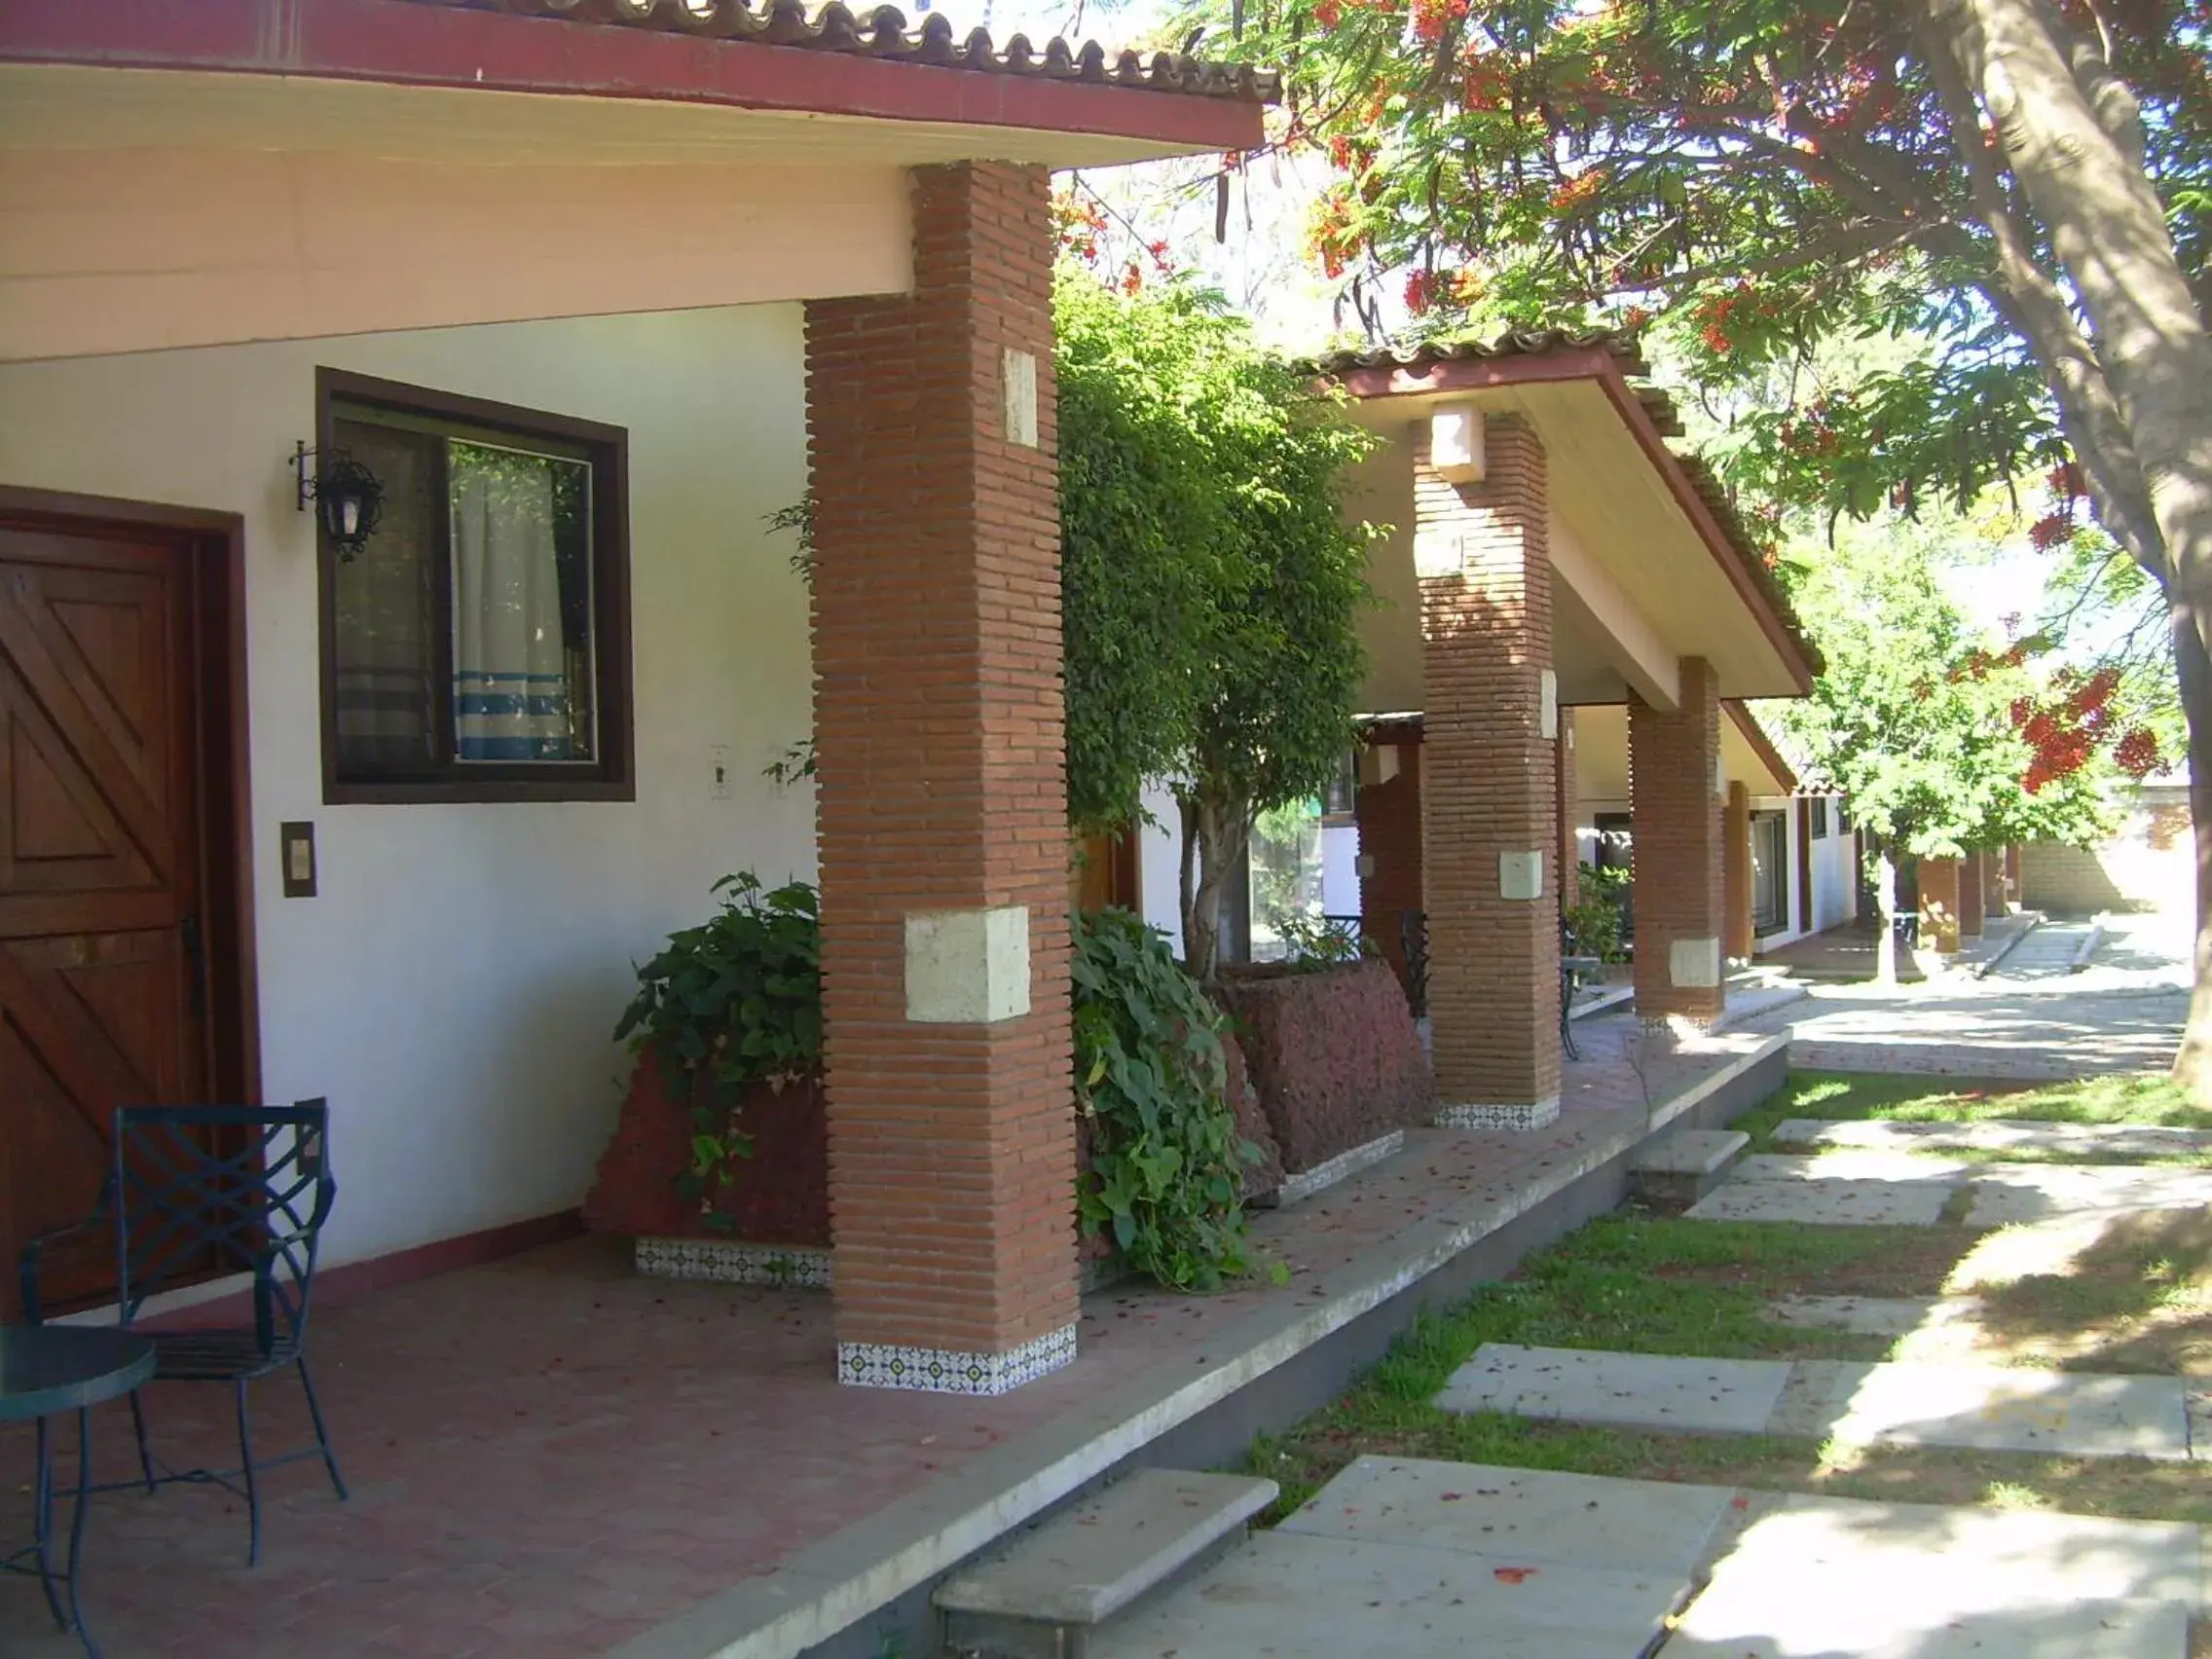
point(1983, 1408)
point(1876, 1186)
point(1412, 1559)
point(2025, 1021)
point(1995, 1134)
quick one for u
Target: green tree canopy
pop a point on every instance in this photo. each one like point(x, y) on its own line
point(1212, 583)
point(1931, 732)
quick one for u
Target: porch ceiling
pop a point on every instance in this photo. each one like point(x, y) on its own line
point(1600, 756)
point(1626, 520)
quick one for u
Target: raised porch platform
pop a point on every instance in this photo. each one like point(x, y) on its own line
point(553, 1455)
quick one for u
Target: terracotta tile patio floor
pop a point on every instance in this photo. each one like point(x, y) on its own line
point(550, 1456)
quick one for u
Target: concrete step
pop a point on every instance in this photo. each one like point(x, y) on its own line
point(1672, 1171)
point(1043, 1596)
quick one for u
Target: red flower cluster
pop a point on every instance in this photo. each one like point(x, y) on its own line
point(2051, 530)
point(1583, 187)
point(1423, 290)
point(1431, 18)
point(1080, 222)
point(2137, 754)
point(2066, 732)
point(1328, 14)
point(1721, 318)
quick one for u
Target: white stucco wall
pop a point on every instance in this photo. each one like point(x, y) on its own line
point(1159, 865)
point(453, 987)
point(1835, 877)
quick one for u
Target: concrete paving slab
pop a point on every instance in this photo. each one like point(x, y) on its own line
point(1630, 1390)
point(2009, 1192)
point(1872, 1315)
point(1525, 1515)
point(1855, 1163)
point(1985, 1408)
point(1291, 1597)
point(1864, 1628)
point(1826, 1204)
point(2197, 1404)
point(1689, 1151)
point(1095, 1559)
point(1838, 1576)
point(1992, 1134)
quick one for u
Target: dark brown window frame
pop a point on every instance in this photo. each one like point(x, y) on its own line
point(615, 777)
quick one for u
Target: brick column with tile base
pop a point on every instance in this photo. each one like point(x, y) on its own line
point(1490, 803)
point(1674, 800)
point(1938, 882)
point(1973, 894)
point(1737, 936)
point(942, 801)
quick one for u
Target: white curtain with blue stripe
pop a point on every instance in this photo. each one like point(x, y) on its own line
point(510, 666)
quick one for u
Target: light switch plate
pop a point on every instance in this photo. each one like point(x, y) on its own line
point(295, 841)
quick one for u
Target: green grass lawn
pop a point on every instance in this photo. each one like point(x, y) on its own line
point(2140, 1301)
point(2120, 1098)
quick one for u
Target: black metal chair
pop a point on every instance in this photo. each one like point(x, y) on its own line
point(200, 1190)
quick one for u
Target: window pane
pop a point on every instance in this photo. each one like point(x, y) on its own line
point(1287, 875)
point(522, 650)
point(386, 610)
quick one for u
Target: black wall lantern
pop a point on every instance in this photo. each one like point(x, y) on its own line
point(347, 493)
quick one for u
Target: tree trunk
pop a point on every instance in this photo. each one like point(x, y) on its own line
point(2192, 1063)
point(1215, 828)
point(1886, 913)
point(2085, 179)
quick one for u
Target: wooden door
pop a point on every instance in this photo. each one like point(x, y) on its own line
point(102, 981)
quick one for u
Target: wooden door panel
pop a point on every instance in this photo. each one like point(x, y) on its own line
point(99, 1005)
point(63, 713)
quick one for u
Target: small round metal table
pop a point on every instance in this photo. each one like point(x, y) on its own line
point(45, 1371)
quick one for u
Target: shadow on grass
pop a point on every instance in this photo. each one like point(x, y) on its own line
point(2139, 1299)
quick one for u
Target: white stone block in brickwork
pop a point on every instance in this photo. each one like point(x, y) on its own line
point(1547, 688)
point(1521, 875)
point(1455, 450)
point(1439, 553)
point(968, 966)
point(1694, 964)
point(1017, 376)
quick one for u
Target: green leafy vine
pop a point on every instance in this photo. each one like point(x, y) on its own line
point(1165, 1158)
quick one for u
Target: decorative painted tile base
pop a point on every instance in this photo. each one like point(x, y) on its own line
point(940, 1371)
point(1306, 1182)
point(721, 1260)
point(1521, 1114)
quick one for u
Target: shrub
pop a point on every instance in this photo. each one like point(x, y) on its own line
point(735, 1001)
point(1166, 1158)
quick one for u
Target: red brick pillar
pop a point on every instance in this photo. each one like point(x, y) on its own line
point(1569, 816)
point(1387, 812)
point(1973, 894)
point(1736, 873)
point(942, 801)
point(1674, 798)
point(1938, 882)
point(1490, 802)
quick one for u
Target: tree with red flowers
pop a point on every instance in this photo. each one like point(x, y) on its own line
point(2023, 185)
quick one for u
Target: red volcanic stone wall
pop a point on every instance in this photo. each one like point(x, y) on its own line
point(1333, 1056)
point(780, 1195)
